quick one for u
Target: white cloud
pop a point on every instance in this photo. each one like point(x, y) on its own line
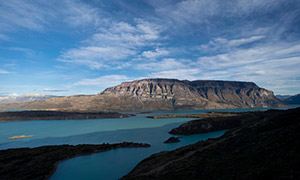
point(113, 44)
point(55, 90)
point(2, 71)
point(123, 34)
point(223, 44)
point(95, 57)
point(103, 81)
point(156, 53)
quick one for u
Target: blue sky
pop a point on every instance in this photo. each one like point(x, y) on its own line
point(66, 47)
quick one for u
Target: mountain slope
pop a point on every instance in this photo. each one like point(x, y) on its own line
point(282, 97)
point(293, 99)
point(153, 94)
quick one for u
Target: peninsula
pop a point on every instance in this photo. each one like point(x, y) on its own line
point(57, 115)
point(204, 115)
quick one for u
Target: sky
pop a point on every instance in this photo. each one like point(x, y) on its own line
point(68, 47)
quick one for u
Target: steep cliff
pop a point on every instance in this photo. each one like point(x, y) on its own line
point(153, 94)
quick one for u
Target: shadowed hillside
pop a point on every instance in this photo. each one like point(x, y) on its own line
point(267, 147)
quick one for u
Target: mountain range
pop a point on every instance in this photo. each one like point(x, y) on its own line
point(23, 98)
point(161, 94)
point(293, 99)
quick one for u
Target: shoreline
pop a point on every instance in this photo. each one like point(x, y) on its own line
point(204, 115)
point(57, 163)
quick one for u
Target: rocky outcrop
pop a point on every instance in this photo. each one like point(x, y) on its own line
point(172, 140)
point(39, 163)
point(266, 148)
point(162, 94)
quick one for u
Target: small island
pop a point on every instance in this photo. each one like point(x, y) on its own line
point(57, 115)
point(41, 162)
point(20, 137)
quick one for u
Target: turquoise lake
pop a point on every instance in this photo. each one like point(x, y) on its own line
point(108, 165)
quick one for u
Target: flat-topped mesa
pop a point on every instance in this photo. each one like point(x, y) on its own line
point(164, 87)
point(206, 94)
point(163, 94)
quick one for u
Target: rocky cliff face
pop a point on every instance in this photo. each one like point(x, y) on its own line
point(175, 94)
point(153, 94)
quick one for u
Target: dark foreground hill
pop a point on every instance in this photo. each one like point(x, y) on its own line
point(161, 94)
point(266, 148)
point(39, 163)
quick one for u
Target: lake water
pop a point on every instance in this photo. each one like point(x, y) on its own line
point(108, 165)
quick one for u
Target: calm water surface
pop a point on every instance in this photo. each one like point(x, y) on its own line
point(109, 165)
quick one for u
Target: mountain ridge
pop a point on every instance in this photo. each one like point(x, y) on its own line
point(23, 98)
point(295, 99)
point(162, 94)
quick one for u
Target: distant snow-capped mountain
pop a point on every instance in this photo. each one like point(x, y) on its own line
point(23, 98)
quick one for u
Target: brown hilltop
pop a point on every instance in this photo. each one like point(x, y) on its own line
point(154, 94)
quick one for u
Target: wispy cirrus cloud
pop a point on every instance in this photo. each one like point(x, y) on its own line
point(223, 44)
point(40, 15)
point(28, 52)
point(204, 11)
